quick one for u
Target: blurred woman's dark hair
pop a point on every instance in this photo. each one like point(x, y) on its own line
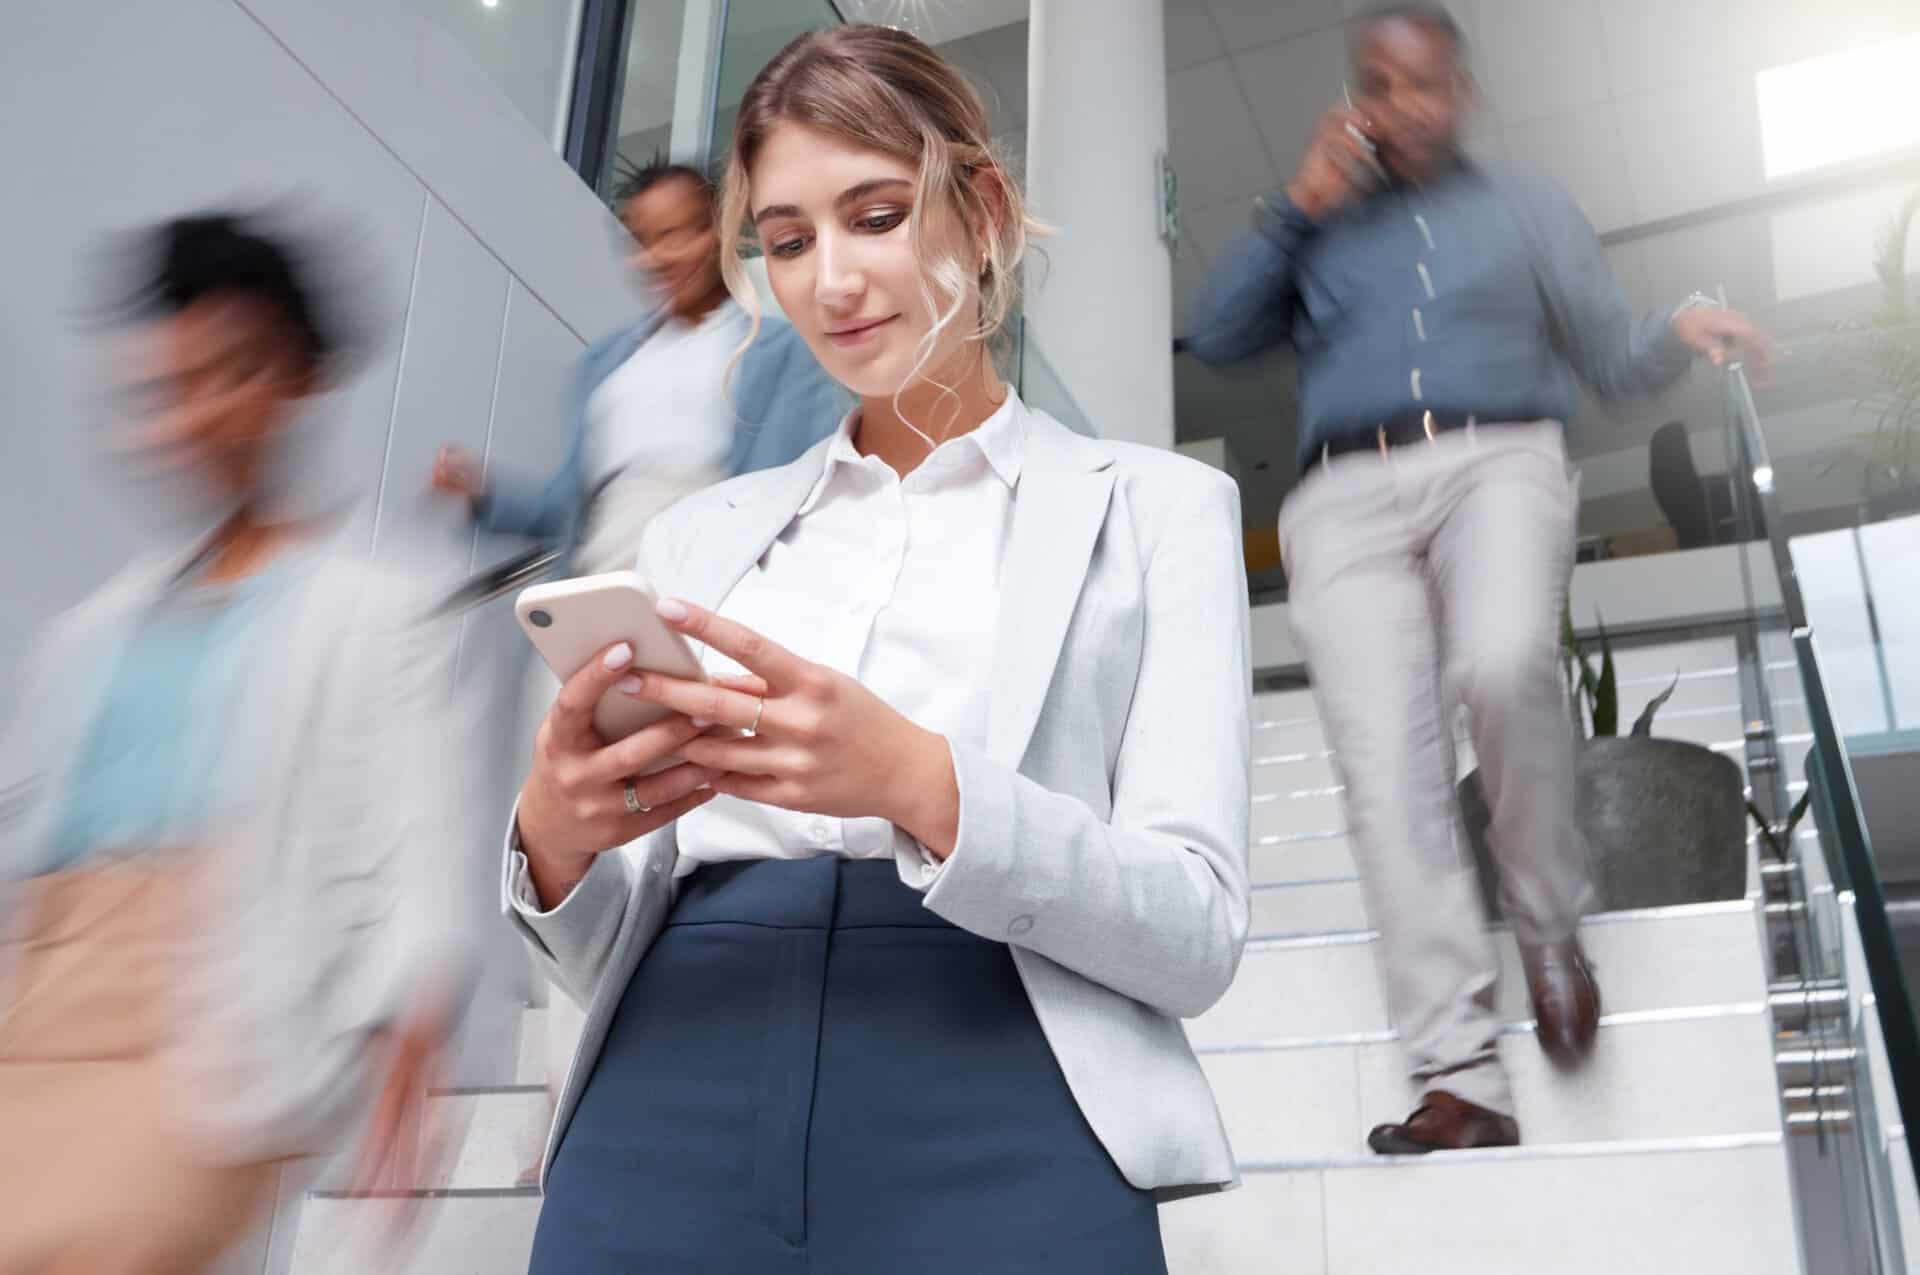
point(635, 182)
point(179, 262)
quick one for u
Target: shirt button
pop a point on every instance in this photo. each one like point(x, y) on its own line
point(1020, 925)
point(821, 830)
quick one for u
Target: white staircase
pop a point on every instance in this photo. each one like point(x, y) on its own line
point(1665, 1153)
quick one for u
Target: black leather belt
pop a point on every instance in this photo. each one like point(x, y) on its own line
point(1399, 431)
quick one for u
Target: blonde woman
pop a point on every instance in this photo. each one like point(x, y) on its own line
point(894, 979)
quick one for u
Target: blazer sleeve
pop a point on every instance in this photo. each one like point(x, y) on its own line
point(514, 504)
point(575, 941)
point(1152, 901)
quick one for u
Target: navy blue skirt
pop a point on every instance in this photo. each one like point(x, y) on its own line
point(812, 1074)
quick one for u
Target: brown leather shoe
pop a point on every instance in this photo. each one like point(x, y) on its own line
point(1444, 1122)
point(1566, 1000)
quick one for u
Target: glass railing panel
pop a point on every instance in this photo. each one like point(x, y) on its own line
point(1825, 561)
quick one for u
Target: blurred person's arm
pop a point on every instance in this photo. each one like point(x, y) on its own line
point(1617, 353)
point(512, 504)
point(1246, 307)
point(432, 754)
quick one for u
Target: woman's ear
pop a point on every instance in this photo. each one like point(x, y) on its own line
point(989, 183)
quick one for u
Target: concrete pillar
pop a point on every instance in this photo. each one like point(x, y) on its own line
point(1100, 299)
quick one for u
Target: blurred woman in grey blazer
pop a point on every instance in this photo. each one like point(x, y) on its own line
point(892, 979)
point(228, 925)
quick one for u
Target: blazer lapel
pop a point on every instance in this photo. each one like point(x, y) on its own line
point(1060, 506)
point(725, 549)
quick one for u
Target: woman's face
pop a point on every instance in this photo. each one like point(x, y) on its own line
point(835, 222)
point(212, 388)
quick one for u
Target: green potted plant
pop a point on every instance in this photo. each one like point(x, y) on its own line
point(1664, 819)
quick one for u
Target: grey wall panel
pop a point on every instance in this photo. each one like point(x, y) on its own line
point(447, 370)
point(420, 92)
point(528, 435)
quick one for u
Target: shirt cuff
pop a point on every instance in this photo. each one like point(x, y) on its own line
point(521, 896)
point(1278, 217)
point(919, 867)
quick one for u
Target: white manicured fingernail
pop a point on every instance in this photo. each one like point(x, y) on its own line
point(672, 609)
point(700, 723)
point(618, 657)
point(630, 685)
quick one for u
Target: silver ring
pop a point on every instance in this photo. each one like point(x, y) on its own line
point(760, 706)
point(633, 801)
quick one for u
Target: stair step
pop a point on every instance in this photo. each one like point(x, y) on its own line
point(501, 1132)
point(1315, 812)
point(458, 1233)
point(1661, 1076)
point(530, 1067)
point(1329, 985)
point(1705, 1206)
point(1307, 907)
point(1282, 860)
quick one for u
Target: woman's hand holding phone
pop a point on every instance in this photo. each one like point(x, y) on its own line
point(820, 742)
point(573, 806)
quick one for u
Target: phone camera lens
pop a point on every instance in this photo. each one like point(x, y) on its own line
point(539, 619)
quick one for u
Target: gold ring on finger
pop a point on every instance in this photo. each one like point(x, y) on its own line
point(759, 707)
point(633, 800)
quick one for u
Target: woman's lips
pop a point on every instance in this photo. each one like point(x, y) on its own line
point(858, 334)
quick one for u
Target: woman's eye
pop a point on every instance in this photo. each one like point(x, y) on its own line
point(880, 223)
point(786, 247)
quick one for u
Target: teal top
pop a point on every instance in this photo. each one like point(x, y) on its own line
point(153, 771)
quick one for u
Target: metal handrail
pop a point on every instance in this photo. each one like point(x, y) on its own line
point(499, 580)
point(1899, 1029)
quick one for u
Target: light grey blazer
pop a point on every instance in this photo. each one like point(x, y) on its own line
point(1103, 829)
point(338, 893)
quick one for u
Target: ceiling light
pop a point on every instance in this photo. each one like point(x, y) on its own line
point(1840, 107)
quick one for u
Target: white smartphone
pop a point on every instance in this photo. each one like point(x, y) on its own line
point(1374, 173)
point(572, 621)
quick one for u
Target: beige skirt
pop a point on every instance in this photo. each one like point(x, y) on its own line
point(95, 1166)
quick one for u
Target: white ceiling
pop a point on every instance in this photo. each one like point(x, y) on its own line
point(976, 33)
point(937, 21)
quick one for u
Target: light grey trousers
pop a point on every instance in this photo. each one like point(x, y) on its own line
point(1425, 578)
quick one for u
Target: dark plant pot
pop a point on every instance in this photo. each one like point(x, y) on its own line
point(1665, 821)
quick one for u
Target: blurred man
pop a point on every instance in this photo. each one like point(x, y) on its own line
point(233, 801)
point(1437, 310)
point(655, 414)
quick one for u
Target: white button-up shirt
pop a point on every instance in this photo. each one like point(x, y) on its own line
point(896, 583)
point(664, 412)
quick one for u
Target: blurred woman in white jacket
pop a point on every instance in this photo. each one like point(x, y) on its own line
point(227, 806)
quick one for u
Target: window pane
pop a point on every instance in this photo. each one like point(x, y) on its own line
point(643, 120)
point(528, 47)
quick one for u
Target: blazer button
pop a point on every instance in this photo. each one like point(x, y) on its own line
point(1020, 925)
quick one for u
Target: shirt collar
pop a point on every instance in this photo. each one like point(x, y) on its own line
point(1001, 438)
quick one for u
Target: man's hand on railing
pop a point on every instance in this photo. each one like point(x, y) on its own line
point(1725, 336)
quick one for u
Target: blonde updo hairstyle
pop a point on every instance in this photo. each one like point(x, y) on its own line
point(885, 90)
